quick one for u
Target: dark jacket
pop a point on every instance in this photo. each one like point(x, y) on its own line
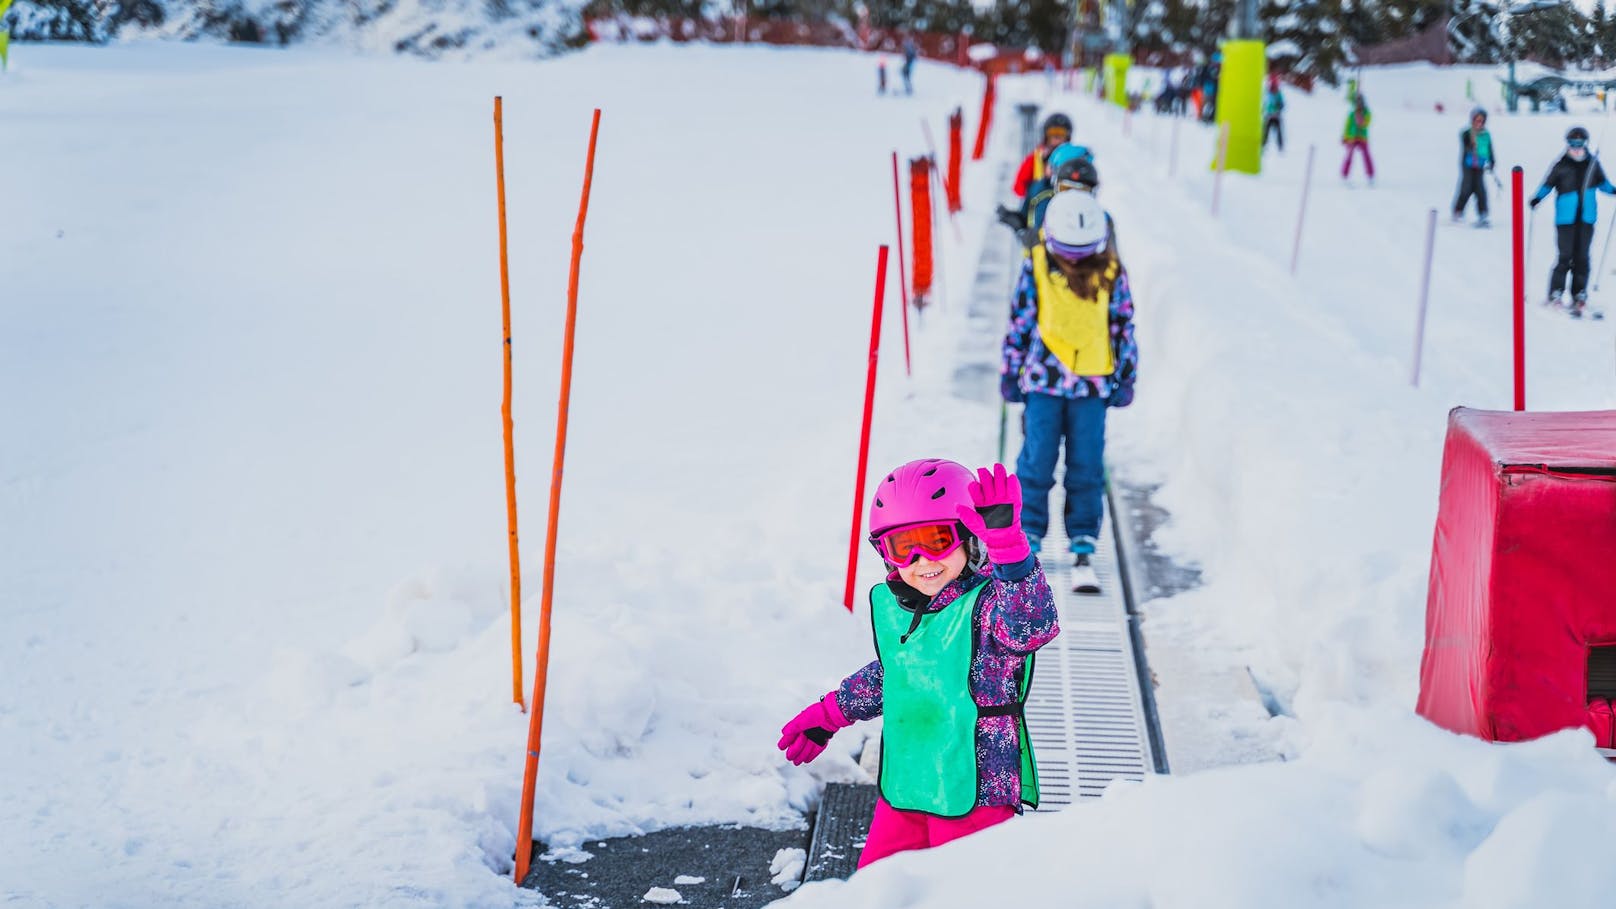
point(1575, 183)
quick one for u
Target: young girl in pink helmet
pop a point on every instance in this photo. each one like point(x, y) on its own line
point(956, 624)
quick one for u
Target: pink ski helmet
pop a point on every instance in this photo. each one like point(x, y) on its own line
point(920, 491)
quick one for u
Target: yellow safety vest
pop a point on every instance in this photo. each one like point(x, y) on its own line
point(1076, 330)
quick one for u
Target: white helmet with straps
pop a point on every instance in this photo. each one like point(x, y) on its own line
point(1075, 225)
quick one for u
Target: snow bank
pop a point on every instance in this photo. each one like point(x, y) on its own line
point(1381, 810)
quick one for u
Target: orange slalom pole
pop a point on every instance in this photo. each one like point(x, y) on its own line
point(505, 414)
point(535, 726)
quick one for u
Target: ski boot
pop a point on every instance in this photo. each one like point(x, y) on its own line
point(1084, 579)
point(1578, 304)
point(1483, 222)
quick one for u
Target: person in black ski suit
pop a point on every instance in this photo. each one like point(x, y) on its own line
point(1477, 158)
point(1574, 179)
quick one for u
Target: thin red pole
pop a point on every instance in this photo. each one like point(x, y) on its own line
point(535, 725)
point(1518, 255)
point(505, 415)
point(903, 277)
point(864, 431)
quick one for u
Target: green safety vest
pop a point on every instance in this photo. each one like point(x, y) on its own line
point(928, 740)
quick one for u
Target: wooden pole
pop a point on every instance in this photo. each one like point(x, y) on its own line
point(864, 429)
point(535, 726)
point(505, 414)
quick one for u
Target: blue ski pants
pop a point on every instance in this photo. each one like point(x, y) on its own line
point(1080, 423)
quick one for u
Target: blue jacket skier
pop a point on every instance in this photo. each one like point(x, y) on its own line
point(1574, 179)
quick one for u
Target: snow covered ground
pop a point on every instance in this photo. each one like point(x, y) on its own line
point(252, 561)
point(252, 601)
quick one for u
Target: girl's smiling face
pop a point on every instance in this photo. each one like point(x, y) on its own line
point(930, 577)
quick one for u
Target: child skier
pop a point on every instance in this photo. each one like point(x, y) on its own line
point(1273, 115)
point(1032, 178)
point(1356, 138)
point(1063, 158)
point(1069, 354)
point(963, 610)
point(1033, 170)
point(1477, 159)
point(1574, 179)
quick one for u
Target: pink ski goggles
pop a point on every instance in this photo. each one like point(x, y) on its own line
point(902, 545)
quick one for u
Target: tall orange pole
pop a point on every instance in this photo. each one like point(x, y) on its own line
point(535, 725)
point(505, 414)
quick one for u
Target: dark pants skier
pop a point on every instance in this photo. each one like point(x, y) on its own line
point(1473, 182)
point(1574, 240)
point(1272, 124)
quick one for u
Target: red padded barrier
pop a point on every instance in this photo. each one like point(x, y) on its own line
point(1523, 572)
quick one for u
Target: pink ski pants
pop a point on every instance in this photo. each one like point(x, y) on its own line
point(893, 830)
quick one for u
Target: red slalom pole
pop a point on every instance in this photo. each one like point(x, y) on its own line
point(1518, 255)
point(903, 277)
point(864, 431)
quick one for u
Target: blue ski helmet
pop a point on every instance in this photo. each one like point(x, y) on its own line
point(1068, 152)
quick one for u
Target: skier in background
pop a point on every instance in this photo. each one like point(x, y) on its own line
point(1477, 159)
point(881, 76)
point(1069, 355)
point(1033, 175)
point(1575, 178)
point(1355, 136)
point(963, 609)
point(1209, 87)
point(1273, 114)
point(910, 52)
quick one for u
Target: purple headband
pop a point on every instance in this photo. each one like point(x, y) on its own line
point(1074, 252)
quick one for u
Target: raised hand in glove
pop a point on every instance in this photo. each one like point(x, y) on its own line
point(1011, 218)
point(805, 737)
point(996, 517)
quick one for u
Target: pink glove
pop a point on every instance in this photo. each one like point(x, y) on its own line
point(805, 737)
point(996, 519)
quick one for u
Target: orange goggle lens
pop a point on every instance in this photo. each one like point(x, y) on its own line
point(902, 545)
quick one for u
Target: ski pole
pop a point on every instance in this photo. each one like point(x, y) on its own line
point(1531, 225)
point(1606, 252)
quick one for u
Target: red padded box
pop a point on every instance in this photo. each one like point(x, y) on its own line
point(1523, 572)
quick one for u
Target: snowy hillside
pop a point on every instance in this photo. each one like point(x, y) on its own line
point(451, 29)
point(253, 631)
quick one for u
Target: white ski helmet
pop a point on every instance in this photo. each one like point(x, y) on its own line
point(1074, 225)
